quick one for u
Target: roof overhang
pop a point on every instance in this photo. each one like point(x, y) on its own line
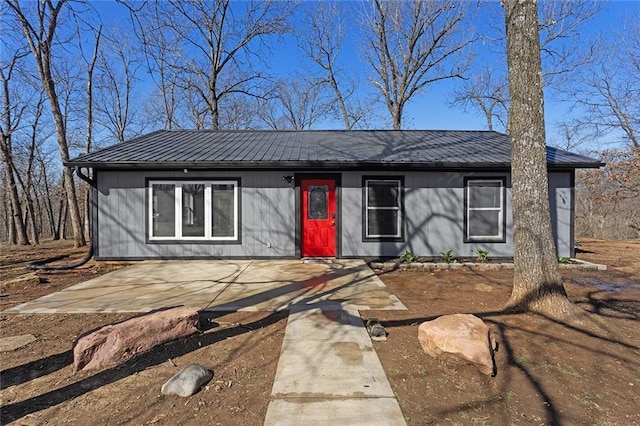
point(315, 165)
point(288, 165)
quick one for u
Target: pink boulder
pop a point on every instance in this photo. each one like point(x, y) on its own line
point(113, 344)
point(460, 338)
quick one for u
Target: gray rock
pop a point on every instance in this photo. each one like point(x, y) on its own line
point(188, 381)
point(376, 330)
point(20, 282)
point(12, 343)
point(460, 338)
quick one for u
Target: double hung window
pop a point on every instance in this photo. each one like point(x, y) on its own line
point(383, 215)
point(485, 206)
point(193, 210)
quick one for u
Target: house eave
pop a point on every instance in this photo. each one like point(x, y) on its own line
point(315, 165)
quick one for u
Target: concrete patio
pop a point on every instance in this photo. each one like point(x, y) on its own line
point(222, 285)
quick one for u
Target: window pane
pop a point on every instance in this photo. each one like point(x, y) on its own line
point(222, 209)
point(193, 210)
point(484, 194)
point(484, 223)
point(164, 215)
point(382, 223)
point(382, 194)
point(318, 202)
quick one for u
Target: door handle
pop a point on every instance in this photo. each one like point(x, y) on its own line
point(333, 223)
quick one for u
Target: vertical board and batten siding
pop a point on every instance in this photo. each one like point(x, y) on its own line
point(561, 204)
point(433, 216)
point(267, 217)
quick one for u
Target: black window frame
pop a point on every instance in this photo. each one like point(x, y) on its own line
point(502, 224)
point(401, 216)
point(207, 240)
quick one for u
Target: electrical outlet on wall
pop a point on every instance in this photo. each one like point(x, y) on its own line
point(268, 245)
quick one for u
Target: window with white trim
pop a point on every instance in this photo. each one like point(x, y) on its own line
point(383, 209)
point(193, 210)
point(484, 215)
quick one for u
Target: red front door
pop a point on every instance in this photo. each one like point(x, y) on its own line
point(318, 217)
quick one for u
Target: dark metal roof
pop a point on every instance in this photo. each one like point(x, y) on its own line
point(318, 149)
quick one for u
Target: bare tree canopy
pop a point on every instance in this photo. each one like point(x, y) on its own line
point(13, 108)
point(487, 91)
point(410, 45)
point(563, 54)
point(117, 101)
point(39, 28)
point(76, 76)
point(321, 42)
point(610, 93)
point(214, 48)
point(296, 104)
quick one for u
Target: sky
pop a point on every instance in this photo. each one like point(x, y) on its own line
point(430, 109)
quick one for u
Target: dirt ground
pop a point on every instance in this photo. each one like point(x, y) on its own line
point(548, 373)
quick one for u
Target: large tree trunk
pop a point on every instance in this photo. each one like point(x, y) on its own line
point(537, 284)
point(12, 226)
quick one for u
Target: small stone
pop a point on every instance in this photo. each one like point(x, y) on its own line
point(187, 381)
point(8, 344)
point(17, 283)
point(376, 330)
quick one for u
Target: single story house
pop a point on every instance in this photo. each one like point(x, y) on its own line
point(292, 194)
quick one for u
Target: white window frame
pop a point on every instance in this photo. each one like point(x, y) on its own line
point(470, 183)
point(397, 208)
point(207, 210)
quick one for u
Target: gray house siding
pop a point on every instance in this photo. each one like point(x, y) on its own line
point(433, 216)
point(269, 211)
point(267, 217)
point(562, 205)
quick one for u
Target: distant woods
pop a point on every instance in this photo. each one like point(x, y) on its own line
point(74, 79)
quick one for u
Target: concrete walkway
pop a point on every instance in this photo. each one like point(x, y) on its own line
point(330, 374)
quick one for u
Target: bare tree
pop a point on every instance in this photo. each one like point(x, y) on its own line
point(487, 91)
point(571, 135)
point(610, 95)
point(563, 54)
point(91, 66)
point(537, 285)
point(296, 105)
point(321, 41)
point(218, 45)
point(162, 53)
point(47, 193)
point(240, 113)
point(118, 104)
point(608, 199)
point(12, 113)
point(27, 182)
point(40, 33)
point(411, 45)
point(562, 46)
